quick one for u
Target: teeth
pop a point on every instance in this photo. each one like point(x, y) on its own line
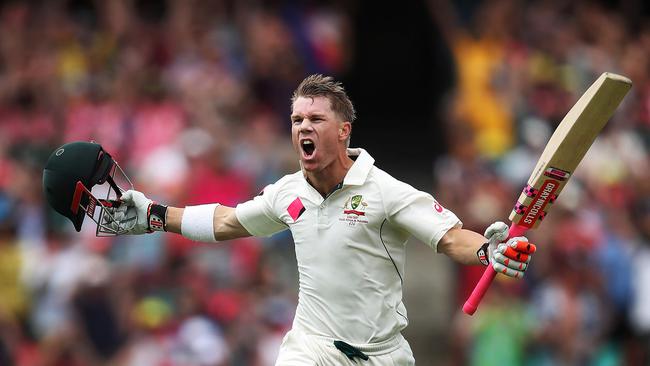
point(307, 142)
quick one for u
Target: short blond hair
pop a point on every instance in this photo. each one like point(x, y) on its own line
point(317, 85)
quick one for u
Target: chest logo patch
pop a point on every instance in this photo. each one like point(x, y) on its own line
point(354, 211)
point(295, 209)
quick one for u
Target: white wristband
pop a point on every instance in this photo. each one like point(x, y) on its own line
point(197, 223)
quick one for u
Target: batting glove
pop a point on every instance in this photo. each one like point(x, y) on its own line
point(137, 205)
point(138, 214)
point(120, 219)
point(510, 258)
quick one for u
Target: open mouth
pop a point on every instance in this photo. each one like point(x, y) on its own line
point(308, 147)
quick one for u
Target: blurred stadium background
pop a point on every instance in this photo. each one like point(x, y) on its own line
point(192, 98)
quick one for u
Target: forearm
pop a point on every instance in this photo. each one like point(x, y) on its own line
point(461, 245)
point(226, 226)
point(174, 218)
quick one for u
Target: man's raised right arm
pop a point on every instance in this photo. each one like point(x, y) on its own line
point(204, 223)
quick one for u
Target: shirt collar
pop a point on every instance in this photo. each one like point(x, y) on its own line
point(358, 172)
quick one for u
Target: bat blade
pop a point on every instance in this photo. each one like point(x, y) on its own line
point(564, 151)
point(567, 146)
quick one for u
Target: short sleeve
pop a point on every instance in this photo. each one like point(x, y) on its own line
point(419, 213)
point(258, 216)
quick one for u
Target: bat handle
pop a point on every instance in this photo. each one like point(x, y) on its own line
point(483, 284)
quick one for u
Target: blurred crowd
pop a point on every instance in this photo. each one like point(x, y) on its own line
point(192, 98)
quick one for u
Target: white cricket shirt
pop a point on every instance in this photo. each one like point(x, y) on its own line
point(350, 246)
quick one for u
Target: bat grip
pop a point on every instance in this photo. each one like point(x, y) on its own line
point(483, 284)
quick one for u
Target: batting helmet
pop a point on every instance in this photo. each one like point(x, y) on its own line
point(69, 176)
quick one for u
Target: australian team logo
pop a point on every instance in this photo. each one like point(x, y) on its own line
point(354, 211)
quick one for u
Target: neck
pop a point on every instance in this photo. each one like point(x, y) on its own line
point(326, 179)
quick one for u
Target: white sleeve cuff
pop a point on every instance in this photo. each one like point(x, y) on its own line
point(438, 235)
point(254, 218)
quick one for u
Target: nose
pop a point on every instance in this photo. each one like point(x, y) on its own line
point(306, 125)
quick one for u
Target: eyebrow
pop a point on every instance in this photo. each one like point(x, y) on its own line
point(310, 115)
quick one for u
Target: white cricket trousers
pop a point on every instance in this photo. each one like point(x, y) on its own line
point(300, 349)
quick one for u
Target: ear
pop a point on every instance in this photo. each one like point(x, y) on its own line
point(345, 129)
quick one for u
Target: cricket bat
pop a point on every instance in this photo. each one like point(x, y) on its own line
point(561, 156)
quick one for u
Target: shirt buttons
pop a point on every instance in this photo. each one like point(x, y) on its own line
point(322, 215)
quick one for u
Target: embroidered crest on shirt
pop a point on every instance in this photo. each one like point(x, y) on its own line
point(354, 211)
point(295, 209)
